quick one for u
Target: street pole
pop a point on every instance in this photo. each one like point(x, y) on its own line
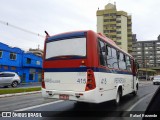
point(146, 72)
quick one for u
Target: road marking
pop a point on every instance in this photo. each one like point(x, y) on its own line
point(140, 100)
point(41, 105)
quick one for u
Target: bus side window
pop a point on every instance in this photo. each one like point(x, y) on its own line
point(109, 57)
point(128, 63)
point(102, 49)
point(114, 59)
point(122, 64)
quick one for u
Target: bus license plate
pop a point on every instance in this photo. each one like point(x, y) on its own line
point(64, 97)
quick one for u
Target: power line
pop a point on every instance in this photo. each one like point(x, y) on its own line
point(22, 29)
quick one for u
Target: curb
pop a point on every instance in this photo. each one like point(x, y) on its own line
point(144, 83)
point(18, 94)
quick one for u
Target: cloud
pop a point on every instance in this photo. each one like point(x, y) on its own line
point(58, 16)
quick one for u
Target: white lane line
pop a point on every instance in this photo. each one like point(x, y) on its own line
point(41, 105)
point(129, 109)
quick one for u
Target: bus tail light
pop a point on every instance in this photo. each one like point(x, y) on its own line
point(43, 83)
point(91, 84)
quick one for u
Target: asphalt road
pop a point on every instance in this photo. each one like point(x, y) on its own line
point(62, 109)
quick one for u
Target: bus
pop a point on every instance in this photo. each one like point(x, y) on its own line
point(85, 66)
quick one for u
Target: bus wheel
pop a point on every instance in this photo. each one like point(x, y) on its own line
point(135, 92)
point(118, 97)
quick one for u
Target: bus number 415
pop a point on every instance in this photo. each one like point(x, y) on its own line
point(81, 81)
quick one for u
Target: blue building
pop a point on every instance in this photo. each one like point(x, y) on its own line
point(27, 65)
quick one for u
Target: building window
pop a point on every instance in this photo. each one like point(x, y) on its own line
point(13, 56)
point(5, 67)
point(118, 16)
point(112, 31)
point(158, 52)
point(139, 57)
point(118, 21)
point(106, 20)
point(28, 61)
point(1, 53)
point(38, 62)
point(112, 20)
point(139, 44)
point(118, 32)
point(146, 52)
point(31, 76)
point(119, 43)
point(158, 48)
point(118, 27)
point(13, 68)
point(106, 15)
point(118, 38)
point(138, 48)
point(112, 14)
point(138, 52)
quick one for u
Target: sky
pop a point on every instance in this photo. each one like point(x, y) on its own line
point(58, 16)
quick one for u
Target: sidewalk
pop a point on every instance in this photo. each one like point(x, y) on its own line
point(145, 82)
point(31, 84)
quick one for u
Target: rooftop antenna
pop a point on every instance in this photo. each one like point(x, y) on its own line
point(47, 33)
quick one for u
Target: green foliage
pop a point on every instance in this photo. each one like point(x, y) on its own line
point(19, 90)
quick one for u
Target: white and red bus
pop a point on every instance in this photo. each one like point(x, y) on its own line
point(87, 67)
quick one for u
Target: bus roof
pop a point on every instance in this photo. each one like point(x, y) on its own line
point(73, 34)
point(67, 35)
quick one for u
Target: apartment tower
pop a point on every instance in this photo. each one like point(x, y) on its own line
point(116, 25)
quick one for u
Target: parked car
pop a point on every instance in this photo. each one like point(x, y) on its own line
point(9, 79)
point(156, 80)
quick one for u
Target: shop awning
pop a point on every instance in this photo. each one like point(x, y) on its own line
point(146, 69)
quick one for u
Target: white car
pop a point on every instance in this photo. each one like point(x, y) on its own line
point(9, 79)
point(156, 80)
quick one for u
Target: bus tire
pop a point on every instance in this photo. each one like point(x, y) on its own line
point(118, 97)
point(135, 92)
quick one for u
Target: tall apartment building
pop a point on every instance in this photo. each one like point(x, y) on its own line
point(116, 25)
point(147, 54)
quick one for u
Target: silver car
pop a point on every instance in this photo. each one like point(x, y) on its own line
point(156, 80)
point(9, 79)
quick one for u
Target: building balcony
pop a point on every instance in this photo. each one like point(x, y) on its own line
point(129, 27)
point(129, 39)
point(113, 33)
point(113, 22)
point(129, 22)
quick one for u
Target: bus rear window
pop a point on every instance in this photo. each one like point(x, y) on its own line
point(68, 48)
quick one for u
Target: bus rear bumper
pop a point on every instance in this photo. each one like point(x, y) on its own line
point(87, 96)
